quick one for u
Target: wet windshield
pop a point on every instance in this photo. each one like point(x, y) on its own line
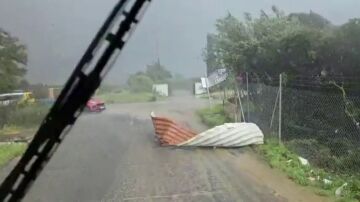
point(208, 100)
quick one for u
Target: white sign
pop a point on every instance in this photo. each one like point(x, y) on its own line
point(161, 89)
point(215, 78)
point(204, 82)
point(199, 89)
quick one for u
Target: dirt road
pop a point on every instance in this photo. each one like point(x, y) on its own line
point(113, 156)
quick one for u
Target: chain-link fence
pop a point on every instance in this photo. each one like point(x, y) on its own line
point(264, 110)
point(323, 126)
point(318, 123)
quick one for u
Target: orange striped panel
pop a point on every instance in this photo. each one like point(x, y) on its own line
point(169, 132)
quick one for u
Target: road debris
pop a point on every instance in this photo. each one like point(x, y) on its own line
point(338, 191)
point(226, 135)
point(327, 182)
point(303, 161)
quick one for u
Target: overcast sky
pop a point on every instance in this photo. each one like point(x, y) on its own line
point(58, 31)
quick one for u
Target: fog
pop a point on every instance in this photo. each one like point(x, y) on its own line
point(57, 32)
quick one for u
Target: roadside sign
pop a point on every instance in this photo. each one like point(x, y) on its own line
point(204, 82)
point(215, 78)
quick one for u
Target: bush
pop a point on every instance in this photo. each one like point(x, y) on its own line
point(213, 116)
point(280, 157)
point(27, 116)
point(105, 89)
point(140, 83)
point(127, 97)
point(307, 148)
point(352, 161)
point(5, 112)
point(322, 156)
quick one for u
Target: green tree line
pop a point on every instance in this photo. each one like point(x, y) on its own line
point(297, 44)
point(143, 81)
point(320, 62)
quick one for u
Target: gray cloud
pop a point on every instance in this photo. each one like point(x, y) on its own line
point(57, 32)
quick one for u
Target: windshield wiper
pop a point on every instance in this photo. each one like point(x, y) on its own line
point(85, 79)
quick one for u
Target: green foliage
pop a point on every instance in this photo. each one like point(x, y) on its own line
point(209, 55)
point(126, 97)
point(28, 116)
point(10, 151)
point(281, 158)
point(310, 51)
point(140, 83)
point(213, 116)
point(10, 130)
point(157, 72)
point(104, 89)
point(5, 112)
point(297, 44)
point(336, 155)
point(40, 91)
point(143, 81)
point(312, 20)
point(13, 58)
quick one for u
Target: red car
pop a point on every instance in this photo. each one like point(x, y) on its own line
point(95, 105)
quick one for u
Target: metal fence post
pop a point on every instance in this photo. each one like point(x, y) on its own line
point(280, 106)
point(241, 107)
point(274, 110)
point(208, 88)
point(247, 92)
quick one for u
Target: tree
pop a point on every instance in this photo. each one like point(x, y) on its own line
point(296, 44)
point(314, 55)
point(252, 45)
point(312, 19)
point(348, 49)
point(210, 56)
point(157, 72)
point(140, 83)
point(13, 59)
point(143, 81)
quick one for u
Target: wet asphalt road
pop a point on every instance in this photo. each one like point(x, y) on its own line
point(113, 156)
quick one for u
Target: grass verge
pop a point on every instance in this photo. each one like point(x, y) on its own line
point(10, 130)
point(213, 116)
point(322, 182)
point(19, 122)
point(278, 156)
point(128, 97)
point(10, 151)
point(23, 116)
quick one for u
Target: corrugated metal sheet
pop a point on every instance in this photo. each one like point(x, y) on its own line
point(169, 132)
point(226, 135)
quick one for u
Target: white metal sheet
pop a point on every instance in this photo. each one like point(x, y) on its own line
point(228, 135)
